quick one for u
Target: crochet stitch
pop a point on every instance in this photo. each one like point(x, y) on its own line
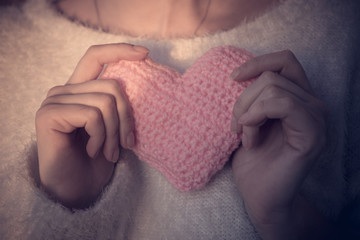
point(182, 122)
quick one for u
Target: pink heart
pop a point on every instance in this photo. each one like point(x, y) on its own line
point(182, 122)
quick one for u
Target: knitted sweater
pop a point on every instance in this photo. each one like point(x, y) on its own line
point(39, 49)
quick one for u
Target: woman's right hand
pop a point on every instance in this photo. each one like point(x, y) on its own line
point(81, 125)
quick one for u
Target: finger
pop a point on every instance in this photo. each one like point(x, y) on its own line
point(113, 88)
point(91, 64)
point(313, 105)
point(250, 136)
point(67, 118)
point(284, 63)
point(251, 133)
point(106, 103)
point(277, 108)
point(299, 126)
point(269, 83)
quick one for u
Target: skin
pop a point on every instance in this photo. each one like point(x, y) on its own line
point(81, 126)
point(164, 18)
point(283, 127)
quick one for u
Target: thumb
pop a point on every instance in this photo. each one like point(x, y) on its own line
point(92, 63)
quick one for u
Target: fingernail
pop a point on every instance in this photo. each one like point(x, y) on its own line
point(102, 71)
point(233, 126)
point(243, 118)
point(130, 140)
point(141, 49)
point(244, 141)
point(236, 127)
point(115, 156)
point(234, 74)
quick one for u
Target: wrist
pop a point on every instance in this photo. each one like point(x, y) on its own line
point(301, 220)
point(71, 194)
point(76, 189)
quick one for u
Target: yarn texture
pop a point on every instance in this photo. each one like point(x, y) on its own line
point(140, 203)
point(182, 122)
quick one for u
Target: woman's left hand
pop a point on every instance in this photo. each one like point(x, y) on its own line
point(283, 132)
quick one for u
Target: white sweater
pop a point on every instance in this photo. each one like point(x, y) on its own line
point(39, 49)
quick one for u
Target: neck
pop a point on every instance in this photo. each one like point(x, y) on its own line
point(161, 18)
point(164, 18)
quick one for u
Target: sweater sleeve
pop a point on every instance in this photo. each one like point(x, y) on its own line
point(352, 154)
point(349, 220)
point(352, 150)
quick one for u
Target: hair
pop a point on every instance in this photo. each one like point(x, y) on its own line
point(11, 2)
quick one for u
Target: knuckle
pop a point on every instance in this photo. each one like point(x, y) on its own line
point(291, 63)
point(93, 114)
point(107, 101)
point(46, 101)
point(251, 63)
point(268, 75)
point(272, 91)
point(44, 110)
point(259, 107)
point(267, 78)
point(289, 104)
point(92, 49)
point(40, 114)
point(112, 86)
point(54, 91)
point(288, 55)
point(44, 113)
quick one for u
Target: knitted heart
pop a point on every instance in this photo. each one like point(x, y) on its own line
point(182, 122)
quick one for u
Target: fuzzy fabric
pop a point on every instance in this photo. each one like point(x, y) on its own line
point(39, 49)
point(182, 122)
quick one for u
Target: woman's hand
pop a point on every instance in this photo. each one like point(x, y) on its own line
point(283, 132)
point(81, 125)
